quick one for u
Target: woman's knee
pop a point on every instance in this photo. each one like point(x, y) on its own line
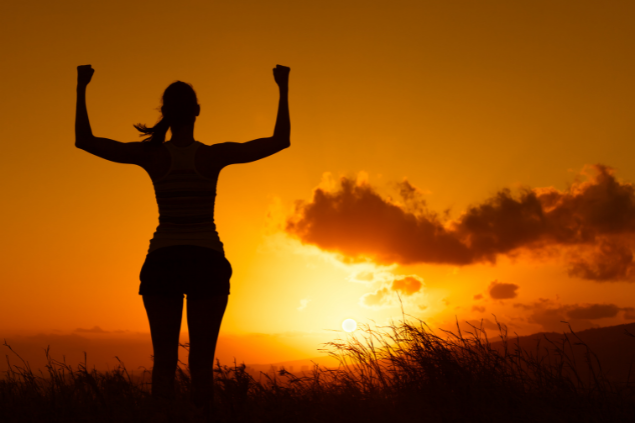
point(165, 362)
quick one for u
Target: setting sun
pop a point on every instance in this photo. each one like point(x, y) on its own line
point(349, 325)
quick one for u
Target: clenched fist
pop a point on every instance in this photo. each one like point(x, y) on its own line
point(84, 74)
point(281, 75)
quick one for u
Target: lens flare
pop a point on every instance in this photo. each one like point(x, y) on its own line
point(349, 325)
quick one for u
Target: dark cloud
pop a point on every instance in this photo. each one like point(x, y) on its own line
point(610, 259)
point(551, 315)
point(408, 285)
point(502, 291)
point(478, 297)
point(593, 311)
point(358, 223)
point(593, 221)
point(480, 309)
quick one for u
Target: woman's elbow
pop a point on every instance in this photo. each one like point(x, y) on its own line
point(81, 141)
point(283, 141)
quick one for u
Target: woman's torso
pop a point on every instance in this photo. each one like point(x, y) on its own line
point(184, 180)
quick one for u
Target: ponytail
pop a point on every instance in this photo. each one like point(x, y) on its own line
point(180, 107)
point(157, 132)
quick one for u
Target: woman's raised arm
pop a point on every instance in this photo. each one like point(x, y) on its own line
point(282, 130)
point(250, 151)
point(115, 151)
point(83, 132)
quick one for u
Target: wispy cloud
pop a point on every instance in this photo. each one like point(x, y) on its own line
point(390, 290)
point(303, 303)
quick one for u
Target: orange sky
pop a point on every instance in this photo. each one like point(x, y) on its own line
point(461, 98)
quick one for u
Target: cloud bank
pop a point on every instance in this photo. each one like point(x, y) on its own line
point(592, 222)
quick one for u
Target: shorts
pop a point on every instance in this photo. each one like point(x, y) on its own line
point(176, 270)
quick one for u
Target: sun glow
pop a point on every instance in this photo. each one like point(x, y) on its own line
point(349, 325)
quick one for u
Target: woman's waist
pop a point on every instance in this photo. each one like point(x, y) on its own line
point(186, 218)
point(161, 242)
point(204, 227)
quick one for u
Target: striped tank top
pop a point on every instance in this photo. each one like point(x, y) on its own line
point(186, 203)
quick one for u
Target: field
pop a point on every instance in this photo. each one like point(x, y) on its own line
point(403, 372)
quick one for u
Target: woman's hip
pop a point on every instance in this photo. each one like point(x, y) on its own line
point(185, 269)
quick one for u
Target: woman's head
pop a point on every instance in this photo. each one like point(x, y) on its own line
point(179, 108)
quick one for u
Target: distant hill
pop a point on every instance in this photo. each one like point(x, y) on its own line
point(614, 347)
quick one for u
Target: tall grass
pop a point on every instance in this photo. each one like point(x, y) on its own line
point(402, 372)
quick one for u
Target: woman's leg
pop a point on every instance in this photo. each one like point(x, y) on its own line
point(165, 314)
point(204, 316)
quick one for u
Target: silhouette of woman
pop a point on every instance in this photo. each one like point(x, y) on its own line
point(185, 256)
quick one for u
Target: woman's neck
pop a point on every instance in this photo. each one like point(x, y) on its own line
point(183, 136)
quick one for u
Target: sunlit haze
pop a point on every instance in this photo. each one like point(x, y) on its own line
point(449, 161)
